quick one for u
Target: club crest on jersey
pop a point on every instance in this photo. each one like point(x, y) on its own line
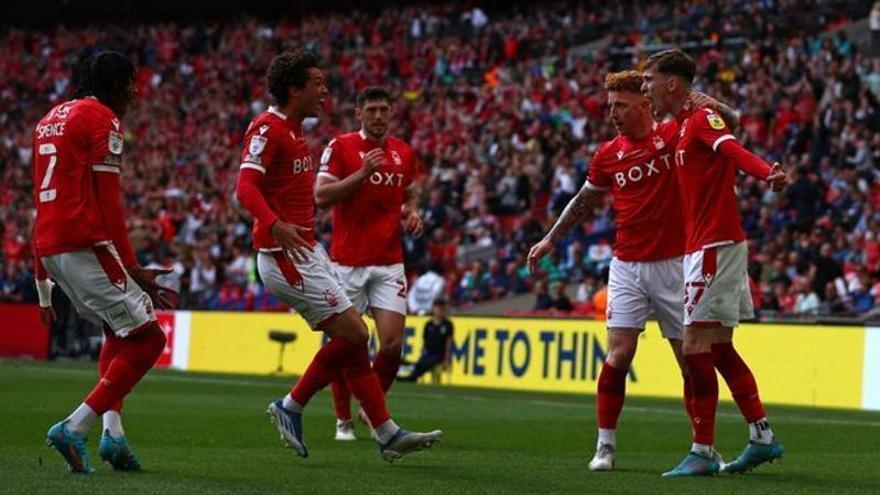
point(658, 143)
point(257, 145)
point(715, 122)
point(396, 158)
point(114, 142)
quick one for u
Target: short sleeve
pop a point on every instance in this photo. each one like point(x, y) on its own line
point(710, 129)
point(106, 138)
point(333, 161)
point(259, 148)
point(597, 178)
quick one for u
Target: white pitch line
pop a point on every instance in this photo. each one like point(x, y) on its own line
point(446, 396)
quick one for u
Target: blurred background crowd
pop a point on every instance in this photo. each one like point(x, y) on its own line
point(504, 110)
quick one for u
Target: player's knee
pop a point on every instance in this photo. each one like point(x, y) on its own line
point(356, 330)
point(621, 356)
point(145, 346)
point(390, 345)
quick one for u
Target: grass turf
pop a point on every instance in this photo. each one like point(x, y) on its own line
point(200, 433)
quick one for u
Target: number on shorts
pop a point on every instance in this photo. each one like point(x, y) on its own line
point(47, 194)
point(701, 287)
point(402, 292)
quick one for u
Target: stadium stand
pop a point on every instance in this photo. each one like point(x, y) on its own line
point(504, 118)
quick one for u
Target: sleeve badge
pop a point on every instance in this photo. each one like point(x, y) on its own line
point(715, 122)
point(257, 145)
point(114, 142)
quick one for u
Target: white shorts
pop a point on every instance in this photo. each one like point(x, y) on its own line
point(311, 288)
point(377, 287)
point(101, 290)
point(639, 289)
point(717, 286)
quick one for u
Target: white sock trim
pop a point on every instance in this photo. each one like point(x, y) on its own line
point(113, 424)
point(291, 405)
point(81, 419)
point(606, 436)
point(386, 430)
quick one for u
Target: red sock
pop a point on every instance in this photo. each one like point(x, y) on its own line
point(109, 350)
point(135, 356)
point(386, 367)
point(688, 396)
point(740, 381)
point(610, 393)
point(325, 366)
point(341, 399)
point(704, 385)
point(364, 384)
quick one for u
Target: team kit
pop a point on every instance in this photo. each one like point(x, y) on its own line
point(680, 252)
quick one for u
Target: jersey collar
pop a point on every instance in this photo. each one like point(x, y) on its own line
point(278, 113)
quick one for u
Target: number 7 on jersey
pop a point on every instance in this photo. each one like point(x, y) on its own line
point(46, 194)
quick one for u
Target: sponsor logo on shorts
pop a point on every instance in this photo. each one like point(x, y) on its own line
point(118, 316)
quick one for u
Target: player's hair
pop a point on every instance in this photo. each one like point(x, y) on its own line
point(372, 93)
point(628, 80)
point(440, 302)
point(673, 62)
point(105, 75)
point(289, 69)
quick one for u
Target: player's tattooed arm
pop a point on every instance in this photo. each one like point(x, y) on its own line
point(575, 212)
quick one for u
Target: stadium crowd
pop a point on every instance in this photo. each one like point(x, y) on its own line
point(504, 115)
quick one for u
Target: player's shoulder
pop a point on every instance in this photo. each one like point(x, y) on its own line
point(86, 111)
point(607, 150)
point(90, 107)
point(265, 123)
point(398, 144)
point(707, 118)
point(346, 139)
point(668, 126)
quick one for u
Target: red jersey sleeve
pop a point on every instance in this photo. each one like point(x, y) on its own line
point(597, 178)
point(260, 147)
point(258, 153)
point(333, 161)
point(709, 129)
point(104, 133)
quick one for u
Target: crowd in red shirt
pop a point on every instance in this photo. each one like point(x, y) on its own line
point(504, 116)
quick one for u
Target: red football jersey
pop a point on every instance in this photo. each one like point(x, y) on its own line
point(73, 141)
point(367, 224)
point(644, 189)
point(275, 147)
point(707, 181)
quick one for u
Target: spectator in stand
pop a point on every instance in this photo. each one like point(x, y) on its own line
point(560, 304)
point(807, 302)
point(543, 301)
point(428, 288)
point(504, 120)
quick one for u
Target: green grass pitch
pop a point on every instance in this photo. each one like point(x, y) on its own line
point(200, 433)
